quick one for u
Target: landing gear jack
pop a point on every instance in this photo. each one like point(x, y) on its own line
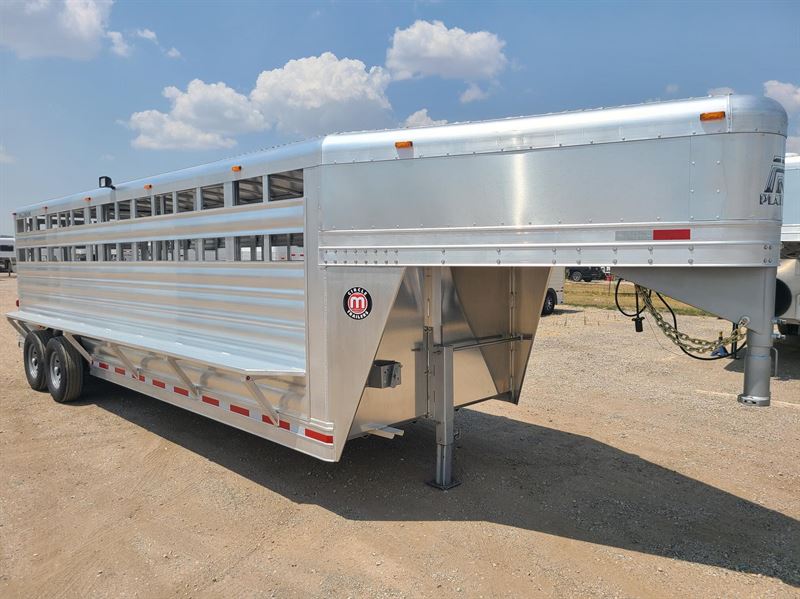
point(444, 415)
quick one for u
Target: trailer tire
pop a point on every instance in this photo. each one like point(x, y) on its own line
point(64, 370)
point(576, 275)
point(550, 301)
point(34, 351)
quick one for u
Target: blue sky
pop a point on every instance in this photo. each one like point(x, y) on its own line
point(131, 89)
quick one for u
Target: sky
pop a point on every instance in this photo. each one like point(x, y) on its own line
point(136, 88)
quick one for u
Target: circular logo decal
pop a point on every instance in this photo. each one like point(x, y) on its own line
point(357, 303)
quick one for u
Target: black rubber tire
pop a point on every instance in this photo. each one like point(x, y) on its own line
point(33, 359)
point(576, 276)
point(550, 300)
point(64, 370)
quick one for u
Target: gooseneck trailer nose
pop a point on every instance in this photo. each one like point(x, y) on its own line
point(340, 287)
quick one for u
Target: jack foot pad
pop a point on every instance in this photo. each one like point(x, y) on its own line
point(453, 483)
point(754, 400)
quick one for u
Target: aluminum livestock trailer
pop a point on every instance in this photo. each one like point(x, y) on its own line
point(339, 287)
point(787, 293)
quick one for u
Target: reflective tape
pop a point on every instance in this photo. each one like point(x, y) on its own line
point(321, 437)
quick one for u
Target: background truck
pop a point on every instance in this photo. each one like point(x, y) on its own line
point(586, 273)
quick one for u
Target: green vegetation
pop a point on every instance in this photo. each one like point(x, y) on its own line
point(600, 294)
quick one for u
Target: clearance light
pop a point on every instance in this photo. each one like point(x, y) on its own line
point(148, 186)
point(236, 168)
point(712, 116)
point(403, 144)
point(87, 199)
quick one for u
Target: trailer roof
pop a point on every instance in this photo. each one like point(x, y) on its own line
point(678, 118)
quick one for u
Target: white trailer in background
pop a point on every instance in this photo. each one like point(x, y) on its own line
point(8, 257)
point(426, 259)
point(555, 291)
point(787, 293)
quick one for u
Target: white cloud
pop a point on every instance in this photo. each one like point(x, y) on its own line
point(5, 157)
point(421, 119)
point(787, 94)
point(147, 34)
point(473, 93)
point(720, 91)
point(672, 88)
point(63, 28)
point(309, 96)
point(118, 44)
point(204, 116)
point(151, 36)
point(321, 94)
point(793, 143)
point(428, 48)
point(158, 131)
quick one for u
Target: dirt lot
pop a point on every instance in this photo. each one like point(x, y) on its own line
point(627, 470)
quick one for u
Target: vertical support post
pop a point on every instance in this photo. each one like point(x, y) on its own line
point(432, 332)
point(118, 245)
point(199, 250)
point(229, 201)
point(135, 245)
point(758, 361)
point(757, 369)
point(444, 416)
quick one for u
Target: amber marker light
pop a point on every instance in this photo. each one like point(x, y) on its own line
point(712, 116)
point(403, 144)
point(236, 168)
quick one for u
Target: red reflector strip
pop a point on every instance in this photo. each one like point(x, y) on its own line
point(141, 378)
point(103, 365)
point(265, 418)
point(119, 370)
point(319, 436)
point(284, 424)
point(210, 400)
point(240, 410)
point(671, 234)
point(181, 391)
point(160, 384)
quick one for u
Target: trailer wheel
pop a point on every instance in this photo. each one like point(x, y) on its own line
point(576, 276)
point(33, 352)
point(550, 301)
point(64, 370)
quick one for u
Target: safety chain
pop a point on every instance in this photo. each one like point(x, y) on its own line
point(692, 344)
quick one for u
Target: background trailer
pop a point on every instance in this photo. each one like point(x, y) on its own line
point(334, 288)
point(787, 299)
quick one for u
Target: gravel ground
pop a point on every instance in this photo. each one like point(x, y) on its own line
point(627, 470)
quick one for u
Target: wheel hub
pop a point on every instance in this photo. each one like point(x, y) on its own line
point(55, 372)
point(33, 362)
